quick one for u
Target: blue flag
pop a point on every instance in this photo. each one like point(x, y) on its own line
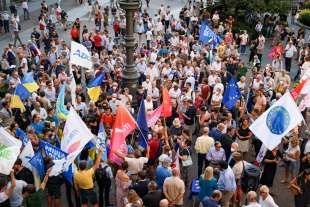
point(142, 124)
point(37, 162)
point(57, 154)
point(21, 135)
point(232, 94)
point(208, 36)
point(57, 141)
point(52, 151)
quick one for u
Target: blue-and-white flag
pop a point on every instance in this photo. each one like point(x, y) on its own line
point(101, 141)
point(277, 121)
point(208, 36)
point(80, 56)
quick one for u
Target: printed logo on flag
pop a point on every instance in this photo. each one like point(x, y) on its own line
point(5, 152)
point(278, 120)
point(81, 54)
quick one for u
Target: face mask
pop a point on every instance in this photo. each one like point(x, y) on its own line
point(147, 80)
point(114, 88)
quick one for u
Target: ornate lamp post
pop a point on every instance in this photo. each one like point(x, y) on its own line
point(130, 73)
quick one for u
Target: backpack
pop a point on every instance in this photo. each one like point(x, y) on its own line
point(250, 177)
point(101, 175)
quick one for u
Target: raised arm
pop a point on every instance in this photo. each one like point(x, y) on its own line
point(97, 162)
point(10, 190)
point(43, 184)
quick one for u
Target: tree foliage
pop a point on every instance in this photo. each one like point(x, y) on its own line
point(261, 6)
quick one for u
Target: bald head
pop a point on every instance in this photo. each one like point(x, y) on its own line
point(164, 203)
point(175, 172)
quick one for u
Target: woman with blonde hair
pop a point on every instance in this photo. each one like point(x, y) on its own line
point(133, 199)
point(207, 183)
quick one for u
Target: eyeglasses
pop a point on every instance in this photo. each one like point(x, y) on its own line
point(263, 192)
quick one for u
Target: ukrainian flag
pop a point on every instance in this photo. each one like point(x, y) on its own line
point(21, 94)
point(61, 110)
point(29, 83)
point(93, 88)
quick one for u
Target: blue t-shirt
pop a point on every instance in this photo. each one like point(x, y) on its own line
point(38, 127)
point(161, 174)
point(206, 187)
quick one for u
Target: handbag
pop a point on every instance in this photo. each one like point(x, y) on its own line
point(188, 162)
point(294, 190)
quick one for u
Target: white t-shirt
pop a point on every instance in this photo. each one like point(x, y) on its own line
point(253, 205)
point(135, 165)
point(149, 35)
point(25, 63)
point(175, 93)
point(16, 199)
point(290, 50)
point(3, 197)
point(268, 202)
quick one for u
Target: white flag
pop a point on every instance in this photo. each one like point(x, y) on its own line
point(26, 154)
point(9, 151)
point(80, 56)
point(76, 135)
point(277, 121)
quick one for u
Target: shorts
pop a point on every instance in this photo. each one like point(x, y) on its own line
point(88, 196)
point(54, 191)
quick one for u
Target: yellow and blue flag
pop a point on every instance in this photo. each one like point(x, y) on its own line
point(94, 89)
point(61, 109)
point(21, 94)
point(29, 83)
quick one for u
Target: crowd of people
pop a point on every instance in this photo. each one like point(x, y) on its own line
point(170, 55)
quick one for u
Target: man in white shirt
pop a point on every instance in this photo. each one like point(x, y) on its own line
point(290, 50)
point(149, 37)
point(147, 85)
point(252, 199)
point(25, 8)
point(265, 199)
point(16, 199)
point(152, 71)
point(136, 162)
point(39, 110)
point(175, 92)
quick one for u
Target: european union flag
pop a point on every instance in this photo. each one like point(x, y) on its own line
point(231, 94)
point(142, 124)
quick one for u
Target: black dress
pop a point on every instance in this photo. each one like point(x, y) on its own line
point(270, 169)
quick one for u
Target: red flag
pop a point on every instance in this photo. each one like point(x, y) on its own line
point(124, 124)
point(153, 116)
point(167, 106)
point(296, 91)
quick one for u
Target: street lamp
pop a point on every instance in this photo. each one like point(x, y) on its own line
point(130, 74)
